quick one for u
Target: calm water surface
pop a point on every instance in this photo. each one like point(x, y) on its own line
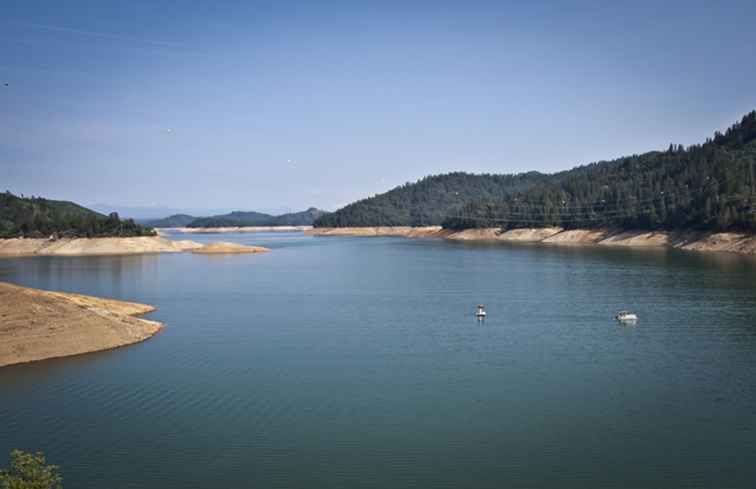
point(353, 362)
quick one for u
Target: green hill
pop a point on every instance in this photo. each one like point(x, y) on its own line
point(240, 219)
point(304, 218)
point(708, 186)
point(428, 201)
point(232, 219)
point(38, 217)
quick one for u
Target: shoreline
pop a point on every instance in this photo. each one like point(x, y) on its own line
point(17, 247)
point(39, 325)
point(240, 229)
point(228, 249)
point(741, 243)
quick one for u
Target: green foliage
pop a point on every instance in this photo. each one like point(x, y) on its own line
point(29, 471)
point(428, 201)
point(304, 218)
point(35, 217)
point(707, 187)
point(233, 219)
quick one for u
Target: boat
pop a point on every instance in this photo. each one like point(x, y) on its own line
point(626, 317)
point(481, 314)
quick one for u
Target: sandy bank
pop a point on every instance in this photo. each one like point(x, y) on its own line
point(492, 234)
point(694, 241)
point(37, 324)
point(228, 248)
point(243, 229)
point(93, 246)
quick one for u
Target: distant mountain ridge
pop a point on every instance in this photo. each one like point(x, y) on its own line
point(174, 221)
point(240, 219)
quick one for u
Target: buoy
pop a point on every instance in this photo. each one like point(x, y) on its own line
point(626, 317)
point(481, 314)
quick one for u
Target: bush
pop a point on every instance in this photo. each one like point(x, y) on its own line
point(29, 471)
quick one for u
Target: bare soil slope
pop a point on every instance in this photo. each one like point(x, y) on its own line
point(228, 248)
point(693, 241)
point(93, 246)
point(37, 324)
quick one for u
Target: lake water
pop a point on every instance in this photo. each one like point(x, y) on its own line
point(356, 362)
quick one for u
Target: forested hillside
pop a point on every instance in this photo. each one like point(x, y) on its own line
point(238, 219)
point(36, 217)
point(304, 218)
point(428, 201)
point(232, 219)
point(709, 187)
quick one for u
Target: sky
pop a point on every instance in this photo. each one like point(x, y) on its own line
point(286, 105)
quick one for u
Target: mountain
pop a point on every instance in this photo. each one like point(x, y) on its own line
point(38, 217)
point(304, 218)
point(709, 186)
point(233, 219)
point(239, 219)
point(174, 221)
point(429, 200)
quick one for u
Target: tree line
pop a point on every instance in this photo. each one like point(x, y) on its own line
point(710, 186)
point(428, 201)
point(35, 217)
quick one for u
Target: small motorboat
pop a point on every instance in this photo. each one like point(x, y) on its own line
point(481, 314)
point(626, 317)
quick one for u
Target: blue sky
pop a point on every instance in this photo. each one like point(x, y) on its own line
point(220, 105)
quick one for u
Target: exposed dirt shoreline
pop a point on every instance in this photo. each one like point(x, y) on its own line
point(684, 240)
point(228, 248)
point(38, 324)
point(92, 246)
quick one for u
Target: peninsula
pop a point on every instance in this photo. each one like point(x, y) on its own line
point(37, 324)
point(92, 246)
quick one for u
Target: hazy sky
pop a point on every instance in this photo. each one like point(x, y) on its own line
point(290, 104)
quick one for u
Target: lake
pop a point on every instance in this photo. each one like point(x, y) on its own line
point(358, 362)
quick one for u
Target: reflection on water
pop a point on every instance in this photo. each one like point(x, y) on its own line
point(77, 274)
point(358, 362)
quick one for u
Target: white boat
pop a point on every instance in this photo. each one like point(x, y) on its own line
point(626, 317)
point(481, 314)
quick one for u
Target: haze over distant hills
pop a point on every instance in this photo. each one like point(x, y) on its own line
point(240, 219)
point(152, 212)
